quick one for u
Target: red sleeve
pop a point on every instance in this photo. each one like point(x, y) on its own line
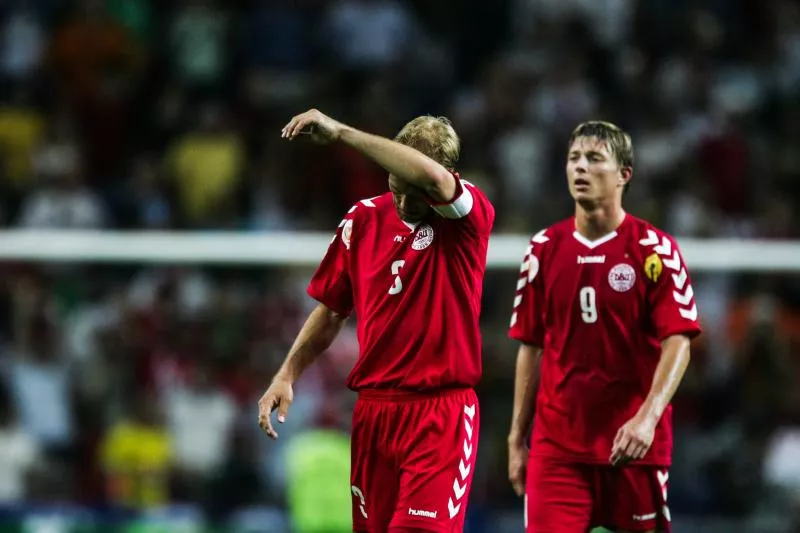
point(527, 316)
point(330, 284)
point(670, 295)
point(469, 207)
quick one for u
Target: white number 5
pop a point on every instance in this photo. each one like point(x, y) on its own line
point(398, 283)
point(588, 300)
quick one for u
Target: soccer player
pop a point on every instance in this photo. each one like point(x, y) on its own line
point(604, 311)
point(410, 264)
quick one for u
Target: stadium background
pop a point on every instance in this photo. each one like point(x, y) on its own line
point(127, 392)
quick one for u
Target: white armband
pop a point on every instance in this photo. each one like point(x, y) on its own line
point(459, 207)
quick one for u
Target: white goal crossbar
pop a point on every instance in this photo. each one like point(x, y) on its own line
point(306, 249)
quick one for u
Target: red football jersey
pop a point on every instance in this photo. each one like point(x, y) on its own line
point(415, 289)
point(599, 309)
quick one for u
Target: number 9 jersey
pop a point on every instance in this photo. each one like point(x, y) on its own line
point(599, 309)
point(415, 290)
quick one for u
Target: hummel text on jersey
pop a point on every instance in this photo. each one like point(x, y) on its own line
point(425, 514)
point(598, 259)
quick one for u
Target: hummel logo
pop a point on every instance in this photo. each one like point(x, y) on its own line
point(399, 238)
point(591, 259)
point(425, 514)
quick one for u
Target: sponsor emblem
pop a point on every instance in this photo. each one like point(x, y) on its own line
point(423, 238)
point(347, 233)
point(622, 277)
point(653, 267)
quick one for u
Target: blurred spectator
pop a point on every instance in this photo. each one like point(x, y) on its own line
point(198, 37)
point(21, 128)
point(89, 48)
point(137, 458)
point(19, 452)
point(200, 417)
point(23, 44)
point(206, 167)
point(41, 375)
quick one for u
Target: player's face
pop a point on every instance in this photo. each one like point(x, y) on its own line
point(408, 200)
point(593, 173)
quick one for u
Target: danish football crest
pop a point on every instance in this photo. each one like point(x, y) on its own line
point(423, 238)
point(622, 277)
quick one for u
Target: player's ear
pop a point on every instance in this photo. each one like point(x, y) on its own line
point(625, 176)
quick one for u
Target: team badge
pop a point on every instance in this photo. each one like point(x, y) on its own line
point(622, 277)
point(653, 267)
point(347, 233)
point(423, 238)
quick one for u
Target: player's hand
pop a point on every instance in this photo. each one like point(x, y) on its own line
point(517, 466)
point(633, 440)
point(279, 395)
point(321, 128)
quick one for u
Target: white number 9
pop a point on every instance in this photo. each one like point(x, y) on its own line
point(588, 301)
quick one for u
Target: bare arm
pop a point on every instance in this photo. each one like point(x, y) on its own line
point(316, 335)
point(675, 355)
point(404, 162)
point(634, 438)
point(320, 329)
point(526, 384)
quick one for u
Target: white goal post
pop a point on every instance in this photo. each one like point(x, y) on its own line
point(307, 248)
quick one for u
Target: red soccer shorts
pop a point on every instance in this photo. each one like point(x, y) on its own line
point(412, 459)
point(573, 498)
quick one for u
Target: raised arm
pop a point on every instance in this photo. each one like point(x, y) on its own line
point(404, 162)
point(320, 329)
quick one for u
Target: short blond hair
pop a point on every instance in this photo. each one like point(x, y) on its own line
point(617, 141)
point(434, 137)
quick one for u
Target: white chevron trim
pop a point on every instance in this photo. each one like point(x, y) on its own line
point(461, 483)
point(464, 469)
point(680, 279)
point(673, 263)
point(540, 237)
point(665, 248)
point(453, 509)
point(459, 490)
point(651, 239)
point(513, 319)
point(469, 410)
point(689, 314)
point(685, 298)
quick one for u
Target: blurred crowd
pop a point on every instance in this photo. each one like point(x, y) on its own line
point(129, 388)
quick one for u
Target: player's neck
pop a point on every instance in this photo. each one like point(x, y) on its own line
point(598, 221)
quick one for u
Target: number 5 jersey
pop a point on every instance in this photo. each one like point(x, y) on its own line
point(415, 290)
